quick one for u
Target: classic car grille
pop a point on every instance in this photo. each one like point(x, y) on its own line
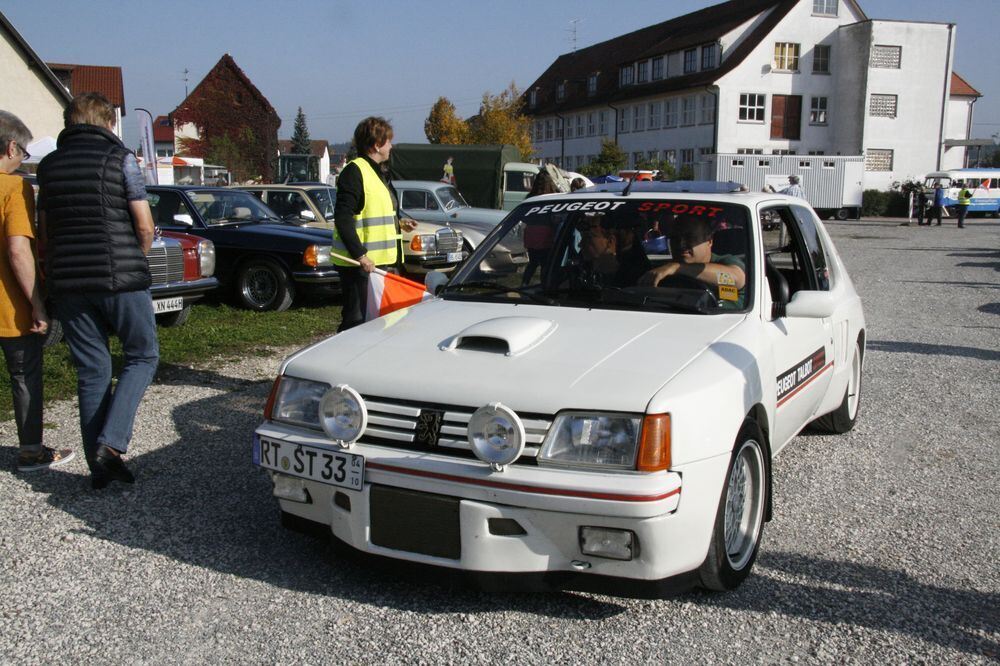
point(448, 240)
point(166, 262)
point(405, 424)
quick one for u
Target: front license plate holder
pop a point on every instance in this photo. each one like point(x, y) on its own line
point(314, 463)
point(454, 256)
point(161, 305)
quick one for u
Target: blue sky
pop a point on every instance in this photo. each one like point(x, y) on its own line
point(341, 60)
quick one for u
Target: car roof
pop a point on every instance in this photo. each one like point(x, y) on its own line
point(420, 183)
point(283, 186)
point(694, 190)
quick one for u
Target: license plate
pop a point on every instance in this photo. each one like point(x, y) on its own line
point(335, 468)
point(454, 256)
point(161, 305)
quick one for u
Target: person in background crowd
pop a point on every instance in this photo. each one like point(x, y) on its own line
point(937, 204)
point(23, 320)
point(920, 208)
point(538, 238)
point(794, 189)
point(97, 227)
point(964, 201)
point(577, 184)
point(367, 228)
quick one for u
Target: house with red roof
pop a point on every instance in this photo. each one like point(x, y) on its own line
point(163, 136)
point(107, 80)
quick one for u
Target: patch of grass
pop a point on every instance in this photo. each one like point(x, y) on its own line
point(214, 330)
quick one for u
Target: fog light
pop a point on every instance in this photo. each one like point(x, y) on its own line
point(607, 542)
point(290, 488)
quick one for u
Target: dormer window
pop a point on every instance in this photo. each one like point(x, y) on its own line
point(643, 71)
point(561, 92)
point(658, 67)
point(533, 98)
point(690, 61)
point(708, 58)
point(626, 76)
point(592, 84)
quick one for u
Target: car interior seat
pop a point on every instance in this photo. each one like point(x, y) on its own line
point(780, 291)
point(732, 241)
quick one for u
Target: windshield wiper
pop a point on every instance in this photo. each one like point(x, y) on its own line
point(621, 296)
point(497, 287)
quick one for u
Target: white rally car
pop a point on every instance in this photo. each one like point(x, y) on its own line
point(610, 410)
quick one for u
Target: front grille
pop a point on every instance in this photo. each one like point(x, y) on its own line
point(448, 240)
point(394, 423)
point(166, 262)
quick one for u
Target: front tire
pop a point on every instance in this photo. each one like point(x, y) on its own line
point(843, 418)
point(739, 521)
point(263, 285)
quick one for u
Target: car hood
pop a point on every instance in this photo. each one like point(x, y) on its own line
point(532, 358)
point(483, 218)
point(324, 236)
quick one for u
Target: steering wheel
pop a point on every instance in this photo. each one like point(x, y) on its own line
point(677, 281)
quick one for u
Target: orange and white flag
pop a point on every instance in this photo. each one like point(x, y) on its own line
point(388, 292)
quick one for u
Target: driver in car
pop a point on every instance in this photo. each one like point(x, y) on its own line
point(692, 257)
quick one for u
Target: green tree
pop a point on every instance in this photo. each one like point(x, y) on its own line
point(610, 160)
point(300, 135)
point(443, 124)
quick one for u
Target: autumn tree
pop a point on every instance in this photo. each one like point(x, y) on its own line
point(300, 135)
point(500, 120)
point(610, 160)
point(443, 124)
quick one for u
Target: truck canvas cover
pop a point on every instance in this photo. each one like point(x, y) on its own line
point(478, 168)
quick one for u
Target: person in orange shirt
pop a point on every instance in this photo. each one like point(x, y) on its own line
point(23, 320)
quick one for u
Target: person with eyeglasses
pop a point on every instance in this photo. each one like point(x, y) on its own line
point(23, 319)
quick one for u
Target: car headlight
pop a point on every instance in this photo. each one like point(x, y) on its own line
point(297, 402)
point(592, 439)
point(424, 243)
point(317, 255)
point(496, 435)
point(343, 415)
point(206, 258)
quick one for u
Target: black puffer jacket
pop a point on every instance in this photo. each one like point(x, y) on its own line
point(90, 242)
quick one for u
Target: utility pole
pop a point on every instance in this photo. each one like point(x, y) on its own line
point(572, 32)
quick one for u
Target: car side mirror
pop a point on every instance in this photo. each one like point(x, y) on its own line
point(434, 281)
point(811, 305)
point(308, 215)
point(185, 219)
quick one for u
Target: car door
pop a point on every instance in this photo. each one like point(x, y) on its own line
point(802, 348)
point(421, 205)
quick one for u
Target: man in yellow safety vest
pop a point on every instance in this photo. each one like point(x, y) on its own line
point(366, 227)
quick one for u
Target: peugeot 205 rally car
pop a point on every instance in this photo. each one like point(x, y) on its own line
point(611, 409)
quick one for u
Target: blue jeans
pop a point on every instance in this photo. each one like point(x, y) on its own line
point(107, 417)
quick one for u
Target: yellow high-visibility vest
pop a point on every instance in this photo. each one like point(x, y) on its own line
point(376, 223)
point(964, 197)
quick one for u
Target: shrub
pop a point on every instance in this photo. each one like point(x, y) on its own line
point(874, 203)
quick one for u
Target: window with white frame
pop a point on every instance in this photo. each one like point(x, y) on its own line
point(688, 111)
point(738, 163)
point(560, 92)
point(670, 113)
point(883, 106)
point(878, 159)
point(533, 97)
point(764, 164)
point(821, 59)
point(602, 123)
point(624, 119)
point(887, 57)
point(638, 118)
point(592, 84)
point(752, 107)
point(637, 159)
point(687, 156)
point(817, 152)
point(643, 72)
point(805, 164)
point(829, 164)
point(707, 109)
point(579, 125)
point(690, 61)
point(783, 151)
point(655, 115)
point(539, 130)
point(658, 67)
point(704, 153)
point(670, 156)
point(559, 128)
point(653, 156)
point(817, 111)
point(548, 130)
point(626, 75)
point(749, 151)
point(591, 123)
point(708, 56)
point(825, 7)
point(786, 56)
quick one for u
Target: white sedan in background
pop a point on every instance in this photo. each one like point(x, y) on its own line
point(609, 412)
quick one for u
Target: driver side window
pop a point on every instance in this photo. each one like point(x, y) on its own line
point(414, 200)
point(164, 206)
point(786, 257)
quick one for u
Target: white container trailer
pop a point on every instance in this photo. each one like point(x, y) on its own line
point(833, 183)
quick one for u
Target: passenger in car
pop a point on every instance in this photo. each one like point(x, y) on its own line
point(614, 255)
point(692, 256)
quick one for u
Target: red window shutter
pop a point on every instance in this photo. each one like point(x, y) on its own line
point(793, 117)
point(778, 116)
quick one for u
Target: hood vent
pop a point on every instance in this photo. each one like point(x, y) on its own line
point(504, 335)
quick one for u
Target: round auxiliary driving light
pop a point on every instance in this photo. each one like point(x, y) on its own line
point(496, 435)
point(343, 414)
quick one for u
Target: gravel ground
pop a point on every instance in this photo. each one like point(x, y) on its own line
point(883, 548)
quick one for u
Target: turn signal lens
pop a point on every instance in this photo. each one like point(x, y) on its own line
point(317, 255)
point(269, 405)
point(654, 444)
point(416, 245)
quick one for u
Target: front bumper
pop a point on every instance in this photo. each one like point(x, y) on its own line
point(672, 528)
point(421, 263)
point(191, 290)
point(321, 276)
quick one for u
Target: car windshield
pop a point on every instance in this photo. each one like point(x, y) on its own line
point(218, 207)
point(324, 198)
point(675, 255)
point(451, 198)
